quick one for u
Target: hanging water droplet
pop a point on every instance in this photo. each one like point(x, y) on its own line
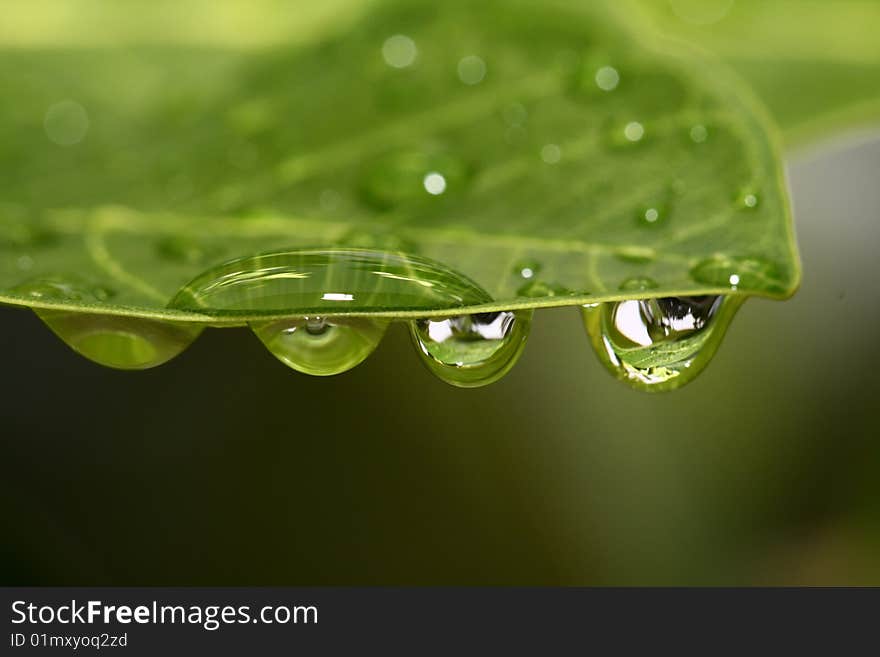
point(658, 344)
point(472, 350)
point(325, 282)
point(126, 343)
point(411, 177)
point(321, 346)
point(752, 274)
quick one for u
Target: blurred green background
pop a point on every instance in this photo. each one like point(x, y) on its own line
point(225, 467)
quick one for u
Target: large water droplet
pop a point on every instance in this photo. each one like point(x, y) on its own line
point(472, 350)
point(411, 177)
point(327, 282)
point(126, 343)
point(321, 346)
point(658, 344)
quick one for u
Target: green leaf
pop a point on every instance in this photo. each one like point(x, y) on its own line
point(815, 63)
point(528, 154)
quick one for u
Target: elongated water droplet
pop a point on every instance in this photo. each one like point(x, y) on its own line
point(638, 284)
point(658, 344)
point(321, 346)
point(472, 350)
point(125, 343)
point(327, 282)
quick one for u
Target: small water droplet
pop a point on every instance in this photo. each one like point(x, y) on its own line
point(324, 282)
point(636, 254)
point(180, 248)
point(607, 78)
point(752, 274)
point(527, 269)
point(471, 70)
point(535, 289)
point(24, 263)
point(625, 135)
point(126, 343)
point(747, 199)
point(434, 183)
point(658, 344)
point(399, 51)
point(638, 284)
point(634, 131)
point(551, 153)
point(64, 288)
point(66, 123)
point(321, 346)
point(698, 133)
point(411, 177)
point(472, 350)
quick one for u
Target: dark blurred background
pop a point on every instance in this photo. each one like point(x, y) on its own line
point(225, 467)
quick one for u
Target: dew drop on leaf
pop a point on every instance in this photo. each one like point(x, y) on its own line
point(638, 284)
point(732, 271)
point(472, 350)
point(658, 344)
point(321, 346)
point(410, 177)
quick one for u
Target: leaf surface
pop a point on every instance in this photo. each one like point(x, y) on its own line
point(543, 154)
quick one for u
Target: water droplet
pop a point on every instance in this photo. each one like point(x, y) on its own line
point(551, 153)
point(752, 274)
point(411, 177)
point(399, 51)
point(321, 346)
point(187, 249)
point(698, 133)
point(607, 78)
point(125, 343)
point(625, 135)
point(66, 123)
point(638, 284)
point(326, 282)
point(747, 199)
point(434, 183)
point(634, 131)
point(471, 70)
point(472, 350)
point(658, 344)
point(527, 269)
point(636, 254)
point(535, 289)
point(24, 263)
point(64, 288)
